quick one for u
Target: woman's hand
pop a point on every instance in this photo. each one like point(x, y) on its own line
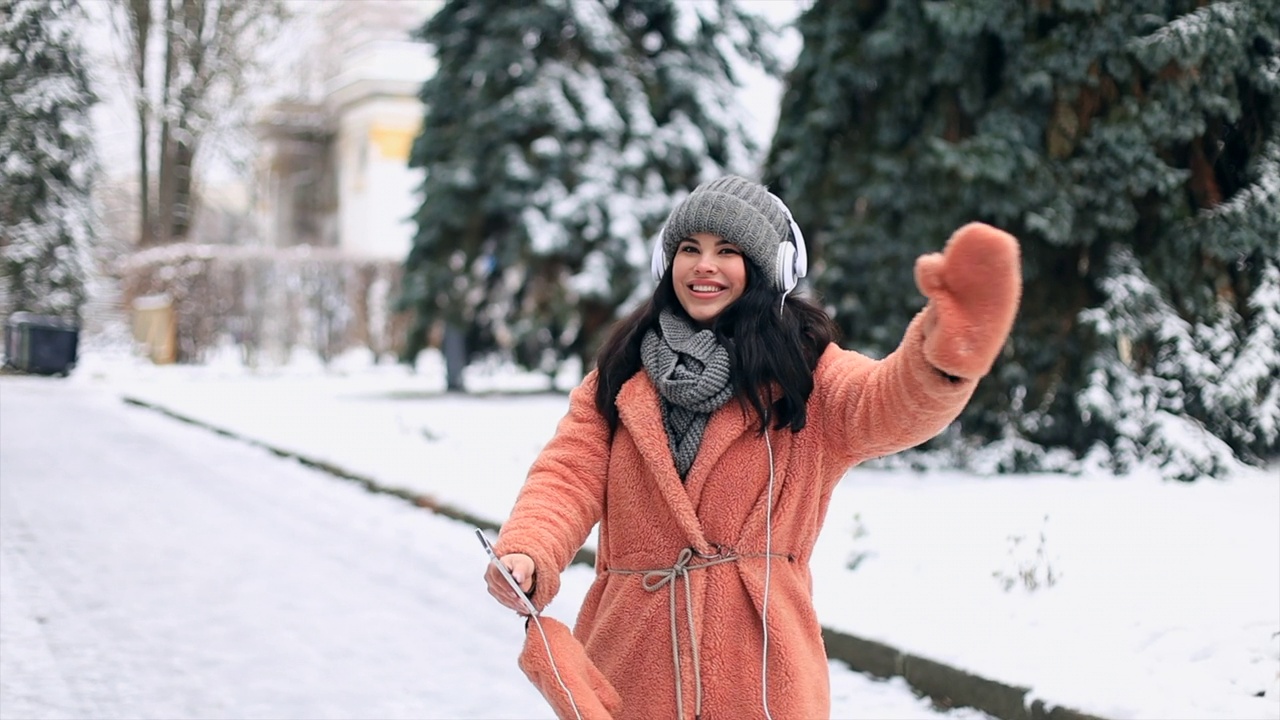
point(973, 288)
point(521, 567)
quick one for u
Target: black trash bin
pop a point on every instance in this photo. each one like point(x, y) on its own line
point(41, 344)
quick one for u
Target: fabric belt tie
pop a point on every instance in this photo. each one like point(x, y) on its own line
point(656, 579)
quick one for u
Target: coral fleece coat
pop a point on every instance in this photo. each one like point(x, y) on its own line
point(860, 409)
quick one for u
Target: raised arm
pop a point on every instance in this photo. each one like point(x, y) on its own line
point(875, 408)
point(563, 496)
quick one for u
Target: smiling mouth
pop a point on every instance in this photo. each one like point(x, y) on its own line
point(705, 288)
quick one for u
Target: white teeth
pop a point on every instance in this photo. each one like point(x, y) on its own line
point(705, 288)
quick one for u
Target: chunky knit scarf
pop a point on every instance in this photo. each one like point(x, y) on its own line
point(691, 371)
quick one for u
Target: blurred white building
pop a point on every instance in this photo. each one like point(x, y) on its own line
point(332, 170)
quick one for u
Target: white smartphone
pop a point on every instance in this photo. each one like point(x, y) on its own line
point(493, 558)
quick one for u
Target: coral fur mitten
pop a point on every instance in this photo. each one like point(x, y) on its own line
point(973, 287)
point(593, 694)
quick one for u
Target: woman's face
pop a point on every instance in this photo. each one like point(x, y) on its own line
point(709, 273)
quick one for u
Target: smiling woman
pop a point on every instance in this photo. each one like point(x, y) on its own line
point(709, 509)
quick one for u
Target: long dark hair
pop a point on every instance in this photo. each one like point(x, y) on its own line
point(766, 347)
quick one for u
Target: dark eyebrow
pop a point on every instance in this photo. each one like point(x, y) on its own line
point(721, 241)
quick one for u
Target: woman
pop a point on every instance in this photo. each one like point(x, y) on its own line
point(707, 443)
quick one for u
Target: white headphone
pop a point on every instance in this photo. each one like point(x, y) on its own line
point(792, 261)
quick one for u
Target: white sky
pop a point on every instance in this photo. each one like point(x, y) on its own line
point(762, 91)
point(1166, 604)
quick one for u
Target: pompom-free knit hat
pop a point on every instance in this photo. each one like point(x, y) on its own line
point(738, 210)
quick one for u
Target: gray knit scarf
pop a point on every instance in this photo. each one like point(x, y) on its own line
point(690, 368)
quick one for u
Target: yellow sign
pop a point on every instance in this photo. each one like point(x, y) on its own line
point(393, 143)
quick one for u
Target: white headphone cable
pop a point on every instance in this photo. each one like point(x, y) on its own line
point(547, 644)
point(768, 564)
point(533, 614)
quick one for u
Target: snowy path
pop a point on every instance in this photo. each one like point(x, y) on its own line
point(152, 570)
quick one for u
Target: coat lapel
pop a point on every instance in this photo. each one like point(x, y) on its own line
point(724, 427)
point(639, 411)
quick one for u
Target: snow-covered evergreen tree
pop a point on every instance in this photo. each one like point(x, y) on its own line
point(557, 135)
point(1134, 148)
point(46, 158)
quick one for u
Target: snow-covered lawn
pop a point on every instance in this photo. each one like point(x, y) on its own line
point(151, 569)
point(1124, 597)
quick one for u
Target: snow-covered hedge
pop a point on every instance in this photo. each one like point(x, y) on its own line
point(270, 301)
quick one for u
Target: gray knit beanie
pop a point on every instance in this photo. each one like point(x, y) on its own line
point(738, 210)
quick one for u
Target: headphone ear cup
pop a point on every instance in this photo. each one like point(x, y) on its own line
point(802, 253)
point(787, 276)
point(658, 263)
point(793, 257)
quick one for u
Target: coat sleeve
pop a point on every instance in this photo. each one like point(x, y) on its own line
point(563, 496)
point(871, 408)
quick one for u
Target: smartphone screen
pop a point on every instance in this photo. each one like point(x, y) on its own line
point(493, 558)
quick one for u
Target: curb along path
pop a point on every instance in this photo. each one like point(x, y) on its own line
point(945, 685)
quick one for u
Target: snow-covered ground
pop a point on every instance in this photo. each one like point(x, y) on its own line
point(152, 569)
point(1123, 597)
